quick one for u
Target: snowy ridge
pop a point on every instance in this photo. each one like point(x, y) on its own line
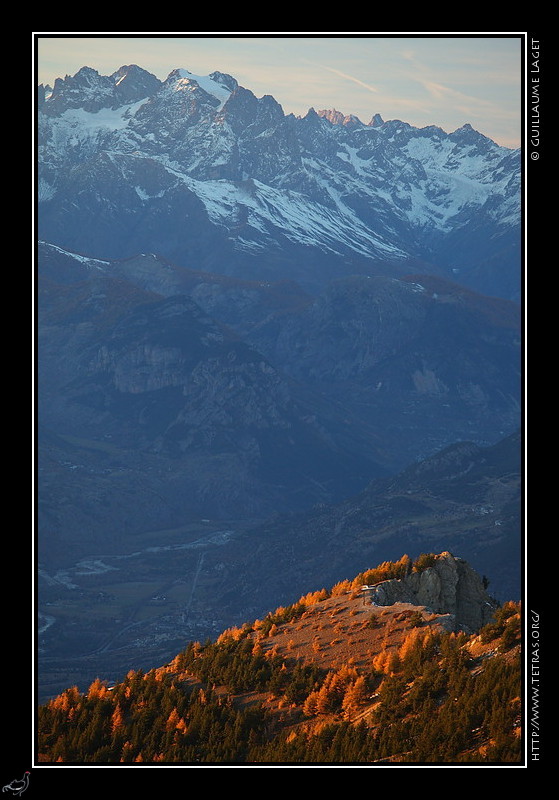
point(90, 262)
point(183, 79)
point(316, 224)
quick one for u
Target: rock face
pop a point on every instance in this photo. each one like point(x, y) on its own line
point(449, 586)
point(417, 349)
point(163, 382)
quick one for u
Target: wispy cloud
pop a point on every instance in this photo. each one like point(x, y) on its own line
point(349, 78)
point(441, 92)
point(446, 93)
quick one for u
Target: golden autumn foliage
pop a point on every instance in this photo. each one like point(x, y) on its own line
point(354, 696)
point(231, 633)
point(117, 719)
point(98, 689)
point(67, 700)
point(312, 598)
point(342, 690)
point(172, 720)
point(413, 640)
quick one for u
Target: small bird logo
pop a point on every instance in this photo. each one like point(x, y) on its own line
point(17, 787)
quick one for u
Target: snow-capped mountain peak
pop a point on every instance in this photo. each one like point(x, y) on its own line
point(219, 89)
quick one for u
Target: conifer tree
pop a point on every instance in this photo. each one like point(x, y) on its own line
point(172, 720)
point(353, 698)
point(310, 705)
point(117, 720)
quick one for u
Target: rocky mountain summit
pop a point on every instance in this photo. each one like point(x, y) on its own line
point(92, 92)
point(448, 586)
point(201, 171)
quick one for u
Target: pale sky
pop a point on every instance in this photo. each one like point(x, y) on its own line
point(438, 79)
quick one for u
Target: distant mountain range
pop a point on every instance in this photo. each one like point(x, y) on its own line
point(246, 398)
point(202, 172)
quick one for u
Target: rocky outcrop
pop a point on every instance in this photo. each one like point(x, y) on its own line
point(448, 586)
